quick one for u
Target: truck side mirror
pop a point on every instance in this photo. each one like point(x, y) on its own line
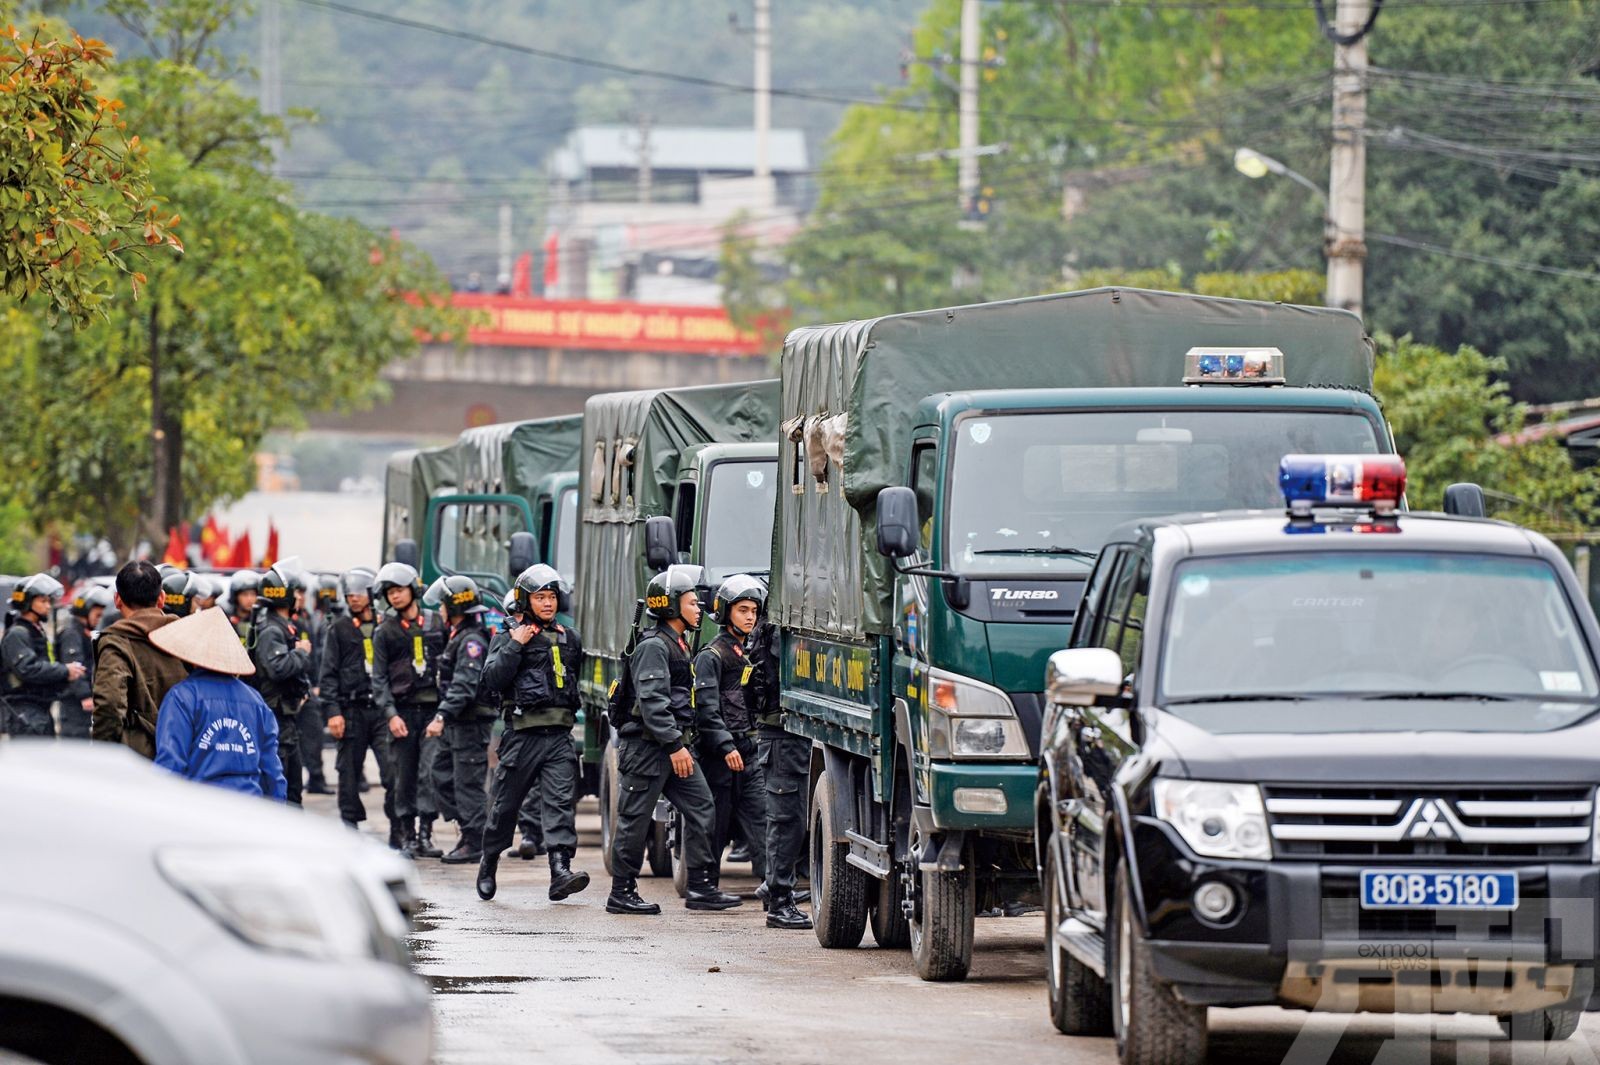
point(897, 523)
point(405, 552)
point(524, 552)
point(660, 542)
point(1080, 675)
point(1465, 500)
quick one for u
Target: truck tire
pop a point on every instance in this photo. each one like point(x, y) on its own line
point(608, 802)
point(1080, 1000)
point(890, 929)
point(941, 923)
point(1152, 1027)
point(838, 889)
point(1541, 1026)
point(658, 850)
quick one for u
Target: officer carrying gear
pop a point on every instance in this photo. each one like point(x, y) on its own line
point(530, 819)
point(786, 760)
point(282, 656)
point(654, 745)
point(722, 675)
point(75, 643)
point(353, 720)
point(33, 678)
point(243, 587)
point(464, 718)
point(178, 592)
point(534, 665)
point(314, 619)
point(405, 652)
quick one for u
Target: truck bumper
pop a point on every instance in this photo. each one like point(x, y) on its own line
point(983, 796)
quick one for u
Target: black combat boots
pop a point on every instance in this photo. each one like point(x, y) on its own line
point(624, 898)
point(467, 849)
point(397, 834)
point(486, 870)
point(408, 837)
point(703, 893)
point(423, 846)
point(529, 849)
point(782, 913)
point(563, 881)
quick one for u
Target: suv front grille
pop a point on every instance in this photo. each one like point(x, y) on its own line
point(1429, 824)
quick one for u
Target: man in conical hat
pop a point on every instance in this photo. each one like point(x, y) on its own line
point(213, 727)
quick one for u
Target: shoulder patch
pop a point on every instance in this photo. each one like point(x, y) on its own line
point(474, 648)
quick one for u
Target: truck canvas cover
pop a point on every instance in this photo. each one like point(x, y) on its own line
point(628, 472)
point(850, 396)
point(513, 457)
point(412, 478)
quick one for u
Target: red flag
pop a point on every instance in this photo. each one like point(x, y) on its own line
point(240, 558)
point(522, 276)
point(272, 545)
point(209, 541)
point(552, 261)
point(173, 555)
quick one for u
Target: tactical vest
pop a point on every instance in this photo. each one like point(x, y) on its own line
point(283, 696)
point(733, 683)
point(16, 687)
point(680, 670)
point(447, 665)
point(546, 672)
point(414, 674)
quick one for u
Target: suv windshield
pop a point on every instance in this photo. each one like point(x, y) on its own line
point(740, 498)
point(1385, 626)
point(1041, 492)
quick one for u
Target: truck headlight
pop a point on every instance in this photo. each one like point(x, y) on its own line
point(970, 719)
point(290, 902)
point(1216, 820)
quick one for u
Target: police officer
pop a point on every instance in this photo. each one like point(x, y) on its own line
point(465, 718)
point(243, 587)
point(786, 760)
point(534, 665)
point(346, 683)
point(530, 819)
point(282, 658)
point(655, 743)
point(75, 643)
point(33, 678)
point(178, 591)
point(405, 654)
point(320, 609)
point(722, 675)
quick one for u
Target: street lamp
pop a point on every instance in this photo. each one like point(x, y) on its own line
point(1252, 164)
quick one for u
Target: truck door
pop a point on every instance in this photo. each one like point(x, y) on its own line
point(471, 535)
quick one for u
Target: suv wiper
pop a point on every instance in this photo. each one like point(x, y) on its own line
point(1476, 697)
point(1242, 697)
point(1070, 552)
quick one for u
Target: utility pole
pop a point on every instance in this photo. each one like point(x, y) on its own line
point(763, 86)
point(646, 177)
point(503, 275)
point(1347, 182)
point(967, 172)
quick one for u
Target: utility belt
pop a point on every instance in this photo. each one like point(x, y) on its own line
point(634, 730)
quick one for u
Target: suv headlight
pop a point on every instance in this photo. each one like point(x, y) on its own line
point(1217, 820)
point(290, 902)
point(970, 719)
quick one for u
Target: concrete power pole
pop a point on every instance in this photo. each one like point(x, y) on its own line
point(1347, 182)
point(502, 280)
point(763, 86)
point(646, 176)
point(971, 48)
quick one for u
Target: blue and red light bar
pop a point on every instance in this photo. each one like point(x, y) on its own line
point(1367, 482)
point(1233, 366)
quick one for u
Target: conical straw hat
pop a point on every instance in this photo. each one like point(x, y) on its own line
point(205, 640)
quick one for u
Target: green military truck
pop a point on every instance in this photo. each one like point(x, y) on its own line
point(666, 475)
point(412, 478)
point(947, 478)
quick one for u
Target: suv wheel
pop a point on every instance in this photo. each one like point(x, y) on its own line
point(1541, 1026)
point(1080, 1000)
point(1152, 1027)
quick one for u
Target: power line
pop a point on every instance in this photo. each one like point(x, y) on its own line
point(1490, 260)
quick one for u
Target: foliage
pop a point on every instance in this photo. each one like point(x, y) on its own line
point(1282, 286)
point(75, 191)
point(751, 298)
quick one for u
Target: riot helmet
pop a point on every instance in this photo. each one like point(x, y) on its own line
point(277, 589)
point(396, 575)
point(537, 578)
point(358, 581)
point(737, 589)
point(327, 591)
point(459, 596)
point(40, 584)
point(93, 596)
point(664, 593)
point(436, 594)
point(178, 593)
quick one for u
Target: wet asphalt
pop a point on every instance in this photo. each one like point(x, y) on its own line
point(523, 979)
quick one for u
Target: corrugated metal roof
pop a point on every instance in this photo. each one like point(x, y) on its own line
point(678, 148)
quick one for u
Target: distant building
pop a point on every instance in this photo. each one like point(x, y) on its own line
point(639, 214)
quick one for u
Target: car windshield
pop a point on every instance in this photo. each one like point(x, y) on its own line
point(740, 498)
point(1042, 491)
point(1383, 626)
point(566, 545)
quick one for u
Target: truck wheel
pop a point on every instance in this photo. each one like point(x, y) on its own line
point(680, 868)
point(1152, 1027)
point(659, 850)
point(838, 889)
point(1080, 1001)
point(889, 926)
point(940, 922)
point(608, 802)
point(1541, 1026)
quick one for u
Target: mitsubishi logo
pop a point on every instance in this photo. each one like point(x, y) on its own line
point(1430, 819)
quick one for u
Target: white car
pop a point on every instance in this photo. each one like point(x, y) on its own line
point(152, 921)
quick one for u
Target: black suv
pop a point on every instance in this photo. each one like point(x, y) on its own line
point(1338, 760)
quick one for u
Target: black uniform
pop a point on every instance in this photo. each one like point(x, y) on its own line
point(405, 684)
point(346, 682)
point(312, 719)
point(33, 679)
point(283, 676)
point(468, 725)
point(663, 679)
point(723, 674)
point(785, 760)
point(538, 687)
point(74, 644)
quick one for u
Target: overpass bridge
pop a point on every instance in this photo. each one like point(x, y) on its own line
point(532, 358)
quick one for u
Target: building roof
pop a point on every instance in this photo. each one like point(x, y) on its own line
point(693, 148)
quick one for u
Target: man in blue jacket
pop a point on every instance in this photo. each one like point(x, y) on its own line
point(213, 727)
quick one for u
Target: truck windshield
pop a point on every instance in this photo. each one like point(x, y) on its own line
point(739, 500)
point(565, 549)
point(1040, 492)
point(1383, 625)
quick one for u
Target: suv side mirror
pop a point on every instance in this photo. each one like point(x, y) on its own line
point(897, 523)
point(524, 552)
point(660, 542)
point(1080, 675)
point(405, 552)
point(1465, 500)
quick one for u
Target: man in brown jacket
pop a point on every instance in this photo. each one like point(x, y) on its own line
point(132, 675)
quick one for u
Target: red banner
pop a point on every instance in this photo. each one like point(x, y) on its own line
point(533, 323)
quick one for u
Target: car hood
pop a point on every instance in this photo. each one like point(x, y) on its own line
point(1216, 749)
